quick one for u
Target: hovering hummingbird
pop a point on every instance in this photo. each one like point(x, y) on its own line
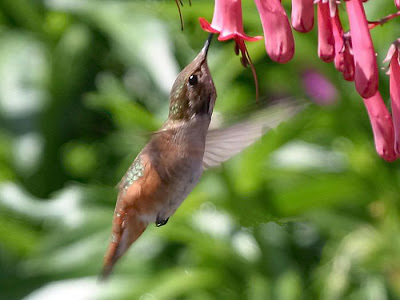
point(171, 164)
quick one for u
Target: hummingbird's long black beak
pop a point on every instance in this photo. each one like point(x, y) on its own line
point(202, 56)
point(207, 44)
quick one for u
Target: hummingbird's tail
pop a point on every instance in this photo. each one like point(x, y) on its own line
point(127, 228)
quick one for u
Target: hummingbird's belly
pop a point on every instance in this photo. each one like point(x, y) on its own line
point(180, 189)
point(184, 187)
point(176, 157)
point(161, 203)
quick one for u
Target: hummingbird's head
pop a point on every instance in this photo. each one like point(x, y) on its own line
point(193, 92)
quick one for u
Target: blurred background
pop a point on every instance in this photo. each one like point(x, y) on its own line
point(308, 212)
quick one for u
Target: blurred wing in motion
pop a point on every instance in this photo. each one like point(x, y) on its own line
point(224, 143)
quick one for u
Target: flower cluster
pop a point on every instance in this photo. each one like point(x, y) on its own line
point(351, 52)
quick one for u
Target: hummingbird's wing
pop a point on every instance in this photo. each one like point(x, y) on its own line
point(224, 143)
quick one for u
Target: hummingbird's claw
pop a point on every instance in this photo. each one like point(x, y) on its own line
point(160, 222)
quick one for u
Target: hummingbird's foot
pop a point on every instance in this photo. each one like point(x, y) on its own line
point(161, 222)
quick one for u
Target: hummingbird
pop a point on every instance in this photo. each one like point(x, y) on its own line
point(172, 162)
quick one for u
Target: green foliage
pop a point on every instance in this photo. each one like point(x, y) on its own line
point(308, 212)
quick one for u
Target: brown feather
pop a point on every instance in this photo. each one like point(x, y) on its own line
point(134, 202)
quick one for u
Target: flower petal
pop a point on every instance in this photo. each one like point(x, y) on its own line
point(206, 26)
point(224, 36)
point(391, 51)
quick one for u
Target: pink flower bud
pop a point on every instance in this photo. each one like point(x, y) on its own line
point(303, 15)
point(397, 3)
point(366, 68)
point(279, 41)
point(394, 71)
point(326, 42)
point(382, 126)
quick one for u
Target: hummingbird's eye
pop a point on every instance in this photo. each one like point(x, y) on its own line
point(193, 79)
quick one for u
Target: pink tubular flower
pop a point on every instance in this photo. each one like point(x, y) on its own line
point(382, 126)
point(279, 41)
point(303, 15)
point(326, 42)
point(227, 21)
point(397, 3)
point(366, 68)
point(394, 71)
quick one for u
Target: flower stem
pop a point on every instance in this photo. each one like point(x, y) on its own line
point(180, 12)
point(382, 21)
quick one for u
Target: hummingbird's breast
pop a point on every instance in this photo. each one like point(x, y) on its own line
point(176, 154)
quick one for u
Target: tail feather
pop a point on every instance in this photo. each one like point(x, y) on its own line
point(127, 228)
